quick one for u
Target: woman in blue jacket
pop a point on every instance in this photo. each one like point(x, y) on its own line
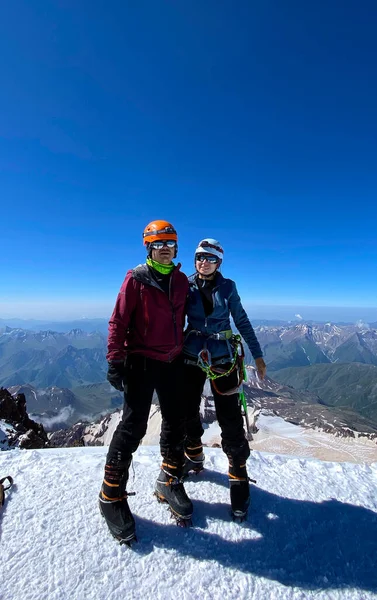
point(213, 299)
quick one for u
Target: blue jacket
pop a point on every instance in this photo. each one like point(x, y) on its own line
point(226, 303)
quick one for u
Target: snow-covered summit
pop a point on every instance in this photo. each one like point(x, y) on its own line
point(311, 532)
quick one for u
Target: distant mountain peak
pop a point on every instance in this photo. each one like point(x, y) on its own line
point(75, 332)
point(15, 331)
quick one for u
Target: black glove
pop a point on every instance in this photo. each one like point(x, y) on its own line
point(116, 374)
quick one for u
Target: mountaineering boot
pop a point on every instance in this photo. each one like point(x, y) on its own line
point(113, 503)
point(239, 490)
point(170, 489)
point(194, 457)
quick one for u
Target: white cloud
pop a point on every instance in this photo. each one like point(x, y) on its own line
point(48, 422)
point(298, 317)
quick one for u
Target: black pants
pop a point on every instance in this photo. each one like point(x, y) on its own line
point(145, 375)
point(228, 411)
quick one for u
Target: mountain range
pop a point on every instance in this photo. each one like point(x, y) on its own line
point(307, 344)
point(302, 409)
point(61, 407)
point(63, 374)
point(352, 385)
point(49, 358)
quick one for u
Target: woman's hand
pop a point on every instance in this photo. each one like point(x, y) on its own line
point(261, 367)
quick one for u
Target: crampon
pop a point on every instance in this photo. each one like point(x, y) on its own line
point(181, 521)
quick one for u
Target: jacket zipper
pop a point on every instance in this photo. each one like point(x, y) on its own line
point(146, 316)
point(173, 313)
point(213, 303)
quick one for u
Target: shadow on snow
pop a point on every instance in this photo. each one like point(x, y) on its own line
point(312, 545)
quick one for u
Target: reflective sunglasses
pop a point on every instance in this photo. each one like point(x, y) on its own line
point(159, 245)
point(208, 257)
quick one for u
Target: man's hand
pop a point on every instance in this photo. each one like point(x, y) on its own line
point(116, 374)
point(261, 367)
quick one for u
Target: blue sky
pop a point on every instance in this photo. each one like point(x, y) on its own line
point(252, 122)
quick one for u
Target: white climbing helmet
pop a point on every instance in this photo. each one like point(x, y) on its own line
point(210, 246)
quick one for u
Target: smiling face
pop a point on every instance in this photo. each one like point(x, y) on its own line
point(163, 255)
point(204, 266)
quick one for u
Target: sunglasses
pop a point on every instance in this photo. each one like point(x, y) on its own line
point(159, 245)
point(208, 257)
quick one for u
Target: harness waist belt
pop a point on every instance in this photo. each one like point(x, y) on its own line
point(227, 334)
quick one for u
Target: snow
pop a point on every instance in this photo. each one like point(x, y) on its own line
point(100, 433)
point(5, 429)
point(272, 425)
point(212, 433)
point(278, 436)
point(306, 354)
point(311, 531)
point(274, 435)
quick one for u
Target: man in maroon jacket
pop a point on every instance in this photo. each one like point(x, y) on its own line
point(144, 354)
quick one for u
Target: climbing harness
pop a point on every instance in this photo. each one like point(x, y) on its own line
point(215, 372)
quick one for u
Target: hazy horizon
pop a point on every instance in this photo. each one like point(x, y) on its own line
point(91, 311)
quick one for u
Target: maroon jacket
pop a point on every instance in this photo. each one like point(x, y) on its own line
point(145, 319)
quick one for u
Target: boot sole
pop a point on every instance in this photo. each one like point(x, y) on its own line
point(124, 541)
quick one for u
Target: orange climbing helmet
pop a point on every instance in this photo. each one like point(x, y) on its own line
point(159, 230)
